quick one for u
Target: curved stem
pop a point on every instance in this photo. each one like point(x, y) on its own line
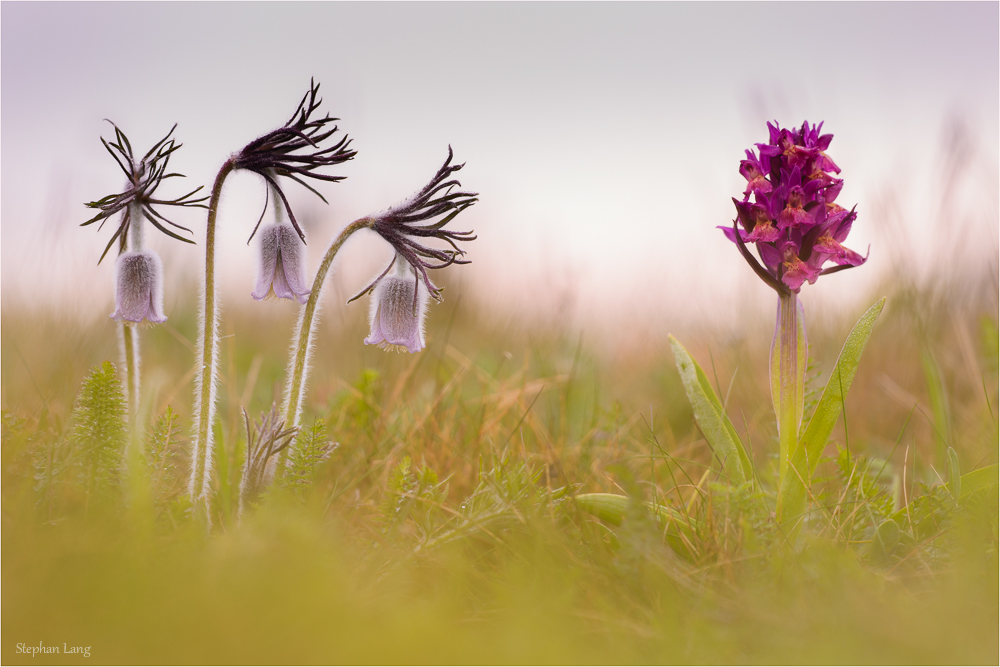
point(298, 368)
point(208, 354)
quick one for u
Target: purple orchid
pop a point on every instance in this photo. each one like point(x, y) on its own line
point(398, 308)
point(281, 272)
point(793, 219)
point(139, 293)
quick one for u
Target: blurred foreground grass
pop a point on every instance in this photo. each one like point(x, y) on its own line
point(441, 527)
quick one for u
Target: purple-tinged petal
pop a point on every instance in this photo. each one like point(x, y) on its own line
point(281, 269)
point(279, 286)
point(139, 288)
point(268, 260)
point(397, 312)
point(293, 266)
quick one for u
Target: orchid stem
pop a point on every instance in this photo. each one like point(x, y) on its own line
point(788, 366)
point(208, 355)
point(302, 339)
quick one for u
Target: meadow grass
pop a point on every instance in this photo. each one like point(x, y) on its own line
point(428, 516)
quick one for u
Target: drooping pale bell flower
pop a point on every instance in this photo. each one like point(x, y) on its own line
point(139, 292)
point(281, 271)
point(793, 220)
point(398, 307)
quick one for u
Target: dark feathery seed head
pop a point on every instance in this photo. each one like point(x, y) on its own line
point(436, 202)
point(293, 151)
point(144, 177)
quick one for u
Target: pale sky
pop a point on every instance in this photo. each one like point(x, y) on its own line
point(604, 138)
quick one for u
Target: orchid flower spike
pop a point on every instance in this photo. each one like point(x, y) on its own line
point(293, 151)
point(281, 272)
point(139, 293)
point(397, 226)
point(793, 219)
point(398, 309)
point(138, 198)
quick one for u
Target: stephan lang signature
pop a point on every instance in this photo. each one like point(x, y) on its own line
point(35, 650)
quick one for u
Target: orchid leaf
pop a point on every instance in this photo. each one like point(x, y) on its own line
point(975, 480)
point(803, 460)
point(711, 417)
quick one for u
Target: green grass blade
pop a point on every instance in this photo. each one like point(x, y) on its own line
point(954, 474)
point(792, 496)
point(939, 405)
point(711, 417)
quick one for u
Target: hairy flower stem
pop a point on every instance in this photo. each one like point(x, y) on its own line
point(302, 339)
point(130, 332)
point(788, 366)
point(208, 354)
point(130, 347)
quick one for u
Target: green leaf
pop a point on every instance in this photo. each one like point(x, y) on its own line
point(711, 417)
point(884, 541)
point(613, 508)
point(975, 480)
point(954, 474)
point(792, 494)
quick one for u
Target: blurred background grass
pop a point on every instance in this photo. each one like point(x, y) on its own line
point(488, 561)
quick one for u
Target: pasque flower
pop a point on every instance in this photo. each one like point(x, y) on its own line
point(397, 225)
point(139, 293)
point(138, 272)
point(399, 300)
point(138, 200)
point(793, 220)
point(396, 324)
point(293, 151)
point(281, 272)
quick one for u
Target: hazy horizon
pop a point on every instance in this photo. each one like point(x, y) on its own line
point(604, 139)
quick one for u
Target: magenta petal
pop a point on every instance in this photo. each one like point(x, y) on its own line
point(769, 255)
point(839, 253)
point(798, 273)
point(728, 231)
point(763, 234)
